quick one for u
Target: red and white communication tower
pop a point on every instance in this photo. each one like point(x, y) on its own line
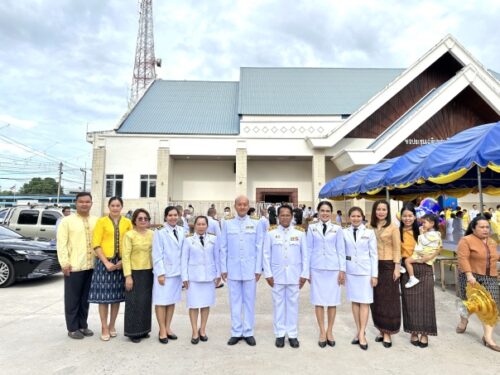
point(145, 61)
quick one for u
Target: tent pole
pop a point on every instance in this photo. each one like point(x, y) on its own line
point(480, 188)
point(387, 196)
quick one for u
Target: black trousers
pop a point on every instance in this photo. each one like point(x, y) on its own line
point(76, 295)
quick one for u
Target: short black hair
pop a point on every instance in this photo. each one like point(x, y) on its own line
point(432, 218)
point(136, 214)
point(83, 194)
point(66, 208)
point(170, 208)
point(201, 217)
point(286, 207)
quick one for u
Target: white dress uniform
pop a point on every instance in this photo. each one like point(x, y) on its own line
point(200, 266)
point(167, 261)
point(264, 222)
point(241, 258)
point(286, 261)
point(326, 259)
point(362, 263)
point(213, 226)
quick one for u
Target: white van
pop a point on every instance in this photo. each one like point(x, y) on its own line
point(37, 222)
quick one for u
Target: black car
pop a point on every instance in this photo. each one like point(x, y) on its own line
point(22, 258)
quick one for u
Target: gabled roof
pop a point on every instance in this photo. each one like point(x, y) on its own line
point(446, 45)
point(185, 107)
point(309, 91)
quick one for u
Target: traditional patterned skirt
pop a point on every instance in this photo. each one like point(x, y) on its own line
point(107, 287)
point(386, 306)
point(490, 283)
point(138, 304)
point(419, 309)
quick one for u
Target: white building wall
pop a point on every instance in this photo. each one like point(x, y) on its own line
point(281, 174)
point(203, 180)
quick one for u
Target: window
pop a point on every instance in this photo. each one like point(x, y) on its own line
point(49, 218)
point(114, 185)
point(148, 185)
point(28, 217)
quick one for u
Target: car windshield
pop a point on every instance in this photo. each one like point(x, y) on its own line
point(6, 233)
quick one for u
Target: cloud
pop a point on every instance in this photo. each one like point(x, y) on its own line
point(7, 120)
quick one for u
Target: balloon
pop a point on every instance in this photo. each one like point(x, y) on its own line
point(430, 206)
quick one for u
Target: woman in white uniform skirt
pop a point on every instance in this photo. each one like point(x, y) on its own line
point(167, 287)
point(325, 242)
point(200, 275)
point(361, 271)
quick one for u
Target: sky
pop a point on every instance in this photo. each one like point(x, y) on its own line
point(66, 65)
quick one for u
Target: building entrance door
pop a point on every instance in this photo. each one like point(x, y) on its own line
point(277, 195)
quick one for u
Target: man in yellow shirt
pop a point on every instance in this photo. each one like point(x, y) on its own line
point(76, 257)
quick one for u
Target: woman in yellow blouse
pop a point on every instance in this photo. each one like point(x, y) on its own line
point(386, 306)
point(107, 287)
point(138, 272)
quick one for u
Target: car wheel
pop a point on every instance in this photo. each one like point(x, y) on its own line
point(7, 276)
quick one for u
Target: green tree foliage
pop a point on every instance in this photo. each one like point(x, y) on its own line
point(38, 185)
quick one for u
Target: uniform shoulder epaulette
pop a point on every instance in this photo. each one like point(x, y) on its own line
point(189, 235)
point(254, 217)
point(159, 227)
point(299, 228)
point(229, 217)
point(213, 234)
point(272, 227)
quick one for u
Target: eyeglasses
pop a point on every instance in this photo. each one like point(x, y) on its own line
point(142, 219)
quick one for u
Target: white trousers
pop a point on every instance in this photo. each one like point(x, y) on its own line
point(242, 303)
point(286, 310)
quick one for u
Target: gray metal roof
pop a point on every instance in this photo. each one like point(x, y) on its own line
point(185, 107)
point(309, 91)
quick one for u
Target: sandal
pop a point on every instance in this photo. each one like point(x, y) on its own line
point(461, 327)
point(113, 333)
point(105, 337)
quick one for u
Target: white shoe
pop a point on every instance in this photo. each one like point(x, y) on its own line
point(412, 282)
point(402, 270)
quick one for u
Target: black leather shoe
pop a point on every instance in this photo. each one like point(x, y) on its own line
point(146, 336)
point(202, 338)
point(221, 285)
point(195, 340)
point(363, 346)
point(387, 344)
point(163, 340)
point(234, 340)
point(280, 342)
point(322, 344)
point(86, 332)
point(415, 342)
point(379, 339)
point(294, 343)
point(423, 344)
point(250, 340)
point(330, 342)
point(173, 336)
point(355, 342)
point(135, 340)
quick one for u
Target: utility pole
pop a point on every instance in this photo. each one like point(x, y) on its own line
point(84, 171)
point(59, 184)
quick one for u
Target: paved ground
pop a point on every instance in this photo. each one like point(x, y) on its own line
point(33, 341)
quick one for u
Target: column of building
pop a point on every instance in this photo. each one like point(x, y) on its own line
point(241, 168)
point(98, 176)
point(162, 175)
point(318, 173)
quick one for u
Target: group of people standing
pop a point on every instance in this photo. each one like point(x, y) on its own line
point(113, 259)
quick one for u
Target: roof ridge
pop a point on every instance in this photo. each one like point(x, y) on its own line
point(195, 80)
point(316, 68)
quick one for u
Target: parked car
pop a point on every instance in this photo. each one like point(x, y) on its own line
point(3, 214)
point(37, 222)
point(22, 258)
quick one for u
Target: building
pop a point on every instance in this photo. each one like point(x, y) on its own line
point(280, 133)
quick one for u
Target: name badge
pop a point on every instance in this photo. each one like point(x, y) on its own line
point(348, 257)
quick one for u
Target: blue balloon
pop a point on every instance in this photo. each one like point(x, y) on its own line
point(430, 206)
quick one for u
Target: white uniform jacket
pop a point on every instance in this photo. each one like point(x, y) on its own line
point(362, 257)
point(167, 251)
point(285, 255)
point(326, 252)
point(200, 262)
point(213, 227)
point(241, 248)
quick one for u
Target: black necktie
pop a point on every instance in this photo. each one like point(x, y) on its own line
point(201, 240)
point(324, 229)
point(354, 230)
point(175, 234)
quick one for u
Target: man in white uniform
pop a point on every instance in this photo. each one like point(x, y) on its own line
point(241, 266)
point(286, 270)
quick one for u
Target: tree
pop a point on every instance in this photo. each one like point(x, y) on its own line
point(37, 185)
